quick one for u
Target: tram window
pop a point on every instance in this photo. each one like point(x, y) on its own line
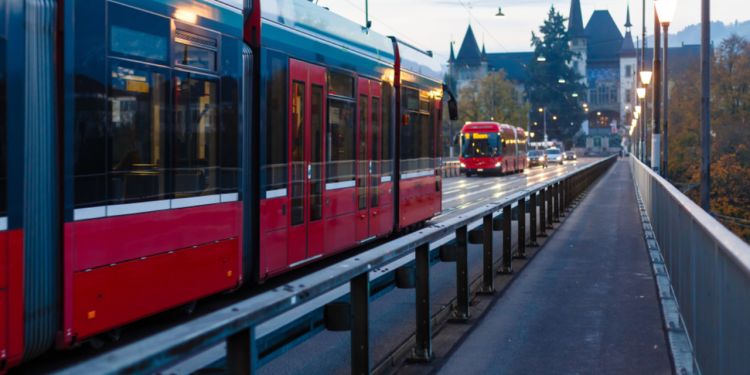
point(134, 33)
point(230, 133)
point(195, 50)
point(340, 84)
point(298, 152)
point(138, 105)
point(386, 134)
point(375, 157)
point(316, 152)
point(362, 157)
point(195, 161)
point(275, 124)
point(3, 134)
point(340, 141)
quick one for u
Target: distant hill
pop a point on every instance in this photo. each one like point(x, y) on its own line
point(719, 32)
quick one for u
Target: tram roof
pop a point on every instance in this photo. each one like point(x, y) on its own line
point(306, 17)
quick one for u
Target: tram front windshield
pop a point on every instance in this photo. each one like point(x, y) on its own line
point(480, 145)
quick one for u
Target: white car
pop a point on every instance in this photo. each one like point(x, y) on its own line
point(554, 155)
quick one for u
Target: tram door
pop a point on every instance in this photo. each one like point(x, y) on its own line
point(369, 148)
point(306, 142)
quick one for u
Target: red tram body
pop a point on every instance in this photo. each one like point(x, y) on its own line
point(174, 149)
point(492, 147)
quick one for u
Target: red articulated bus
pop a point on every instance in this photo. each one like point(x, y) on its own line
point(491, 147)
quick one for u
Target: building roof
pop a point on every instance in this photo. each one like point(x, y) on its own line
point(513, 63)
point(469, 53)
point(603, 37)
point(575, 20)
point(628, 48)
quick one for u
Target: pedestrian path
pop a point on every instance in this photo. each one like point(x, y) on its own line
point(587, 304)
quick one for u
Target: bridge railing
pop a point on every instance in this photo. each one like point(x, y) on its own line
point(236, 323)
point(709, 268)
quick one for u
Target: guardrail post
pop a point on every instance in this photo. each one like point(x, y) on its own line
point(562, 198)
point(521, 254)
point(507, 265)
point(542, 213)
point(488, 279)
point(423, 345)
point(556, 202)
point(242, 352)
point(549, 215)
point(532, 222)
point(360, 299)
point(462, 276)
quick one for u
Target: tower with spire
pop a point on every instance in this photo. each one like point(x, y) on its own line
point(628, 73)
point(578, 43)
point(470, 63)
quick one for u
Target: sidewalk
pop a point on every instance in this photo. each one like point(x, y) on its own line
point(586, 304)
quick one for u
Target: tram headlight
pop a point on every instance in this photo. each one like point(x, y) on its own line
point(463, 165)
point(497, 165)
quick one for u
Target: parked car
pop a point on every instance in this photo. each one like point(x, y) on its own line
point(537, 157)
point(554, 155)
point(569, 155)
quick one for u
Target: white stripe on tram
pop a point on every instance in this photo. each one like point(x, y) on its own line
point(150, 206)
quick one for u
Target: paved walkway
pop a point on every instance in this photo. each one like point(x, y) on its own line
point(586, 305)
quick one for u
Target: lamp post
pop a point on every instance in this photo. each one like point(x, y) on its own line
point(543, 111)
point(665, 9)
point(656, 97)
point(642, 143)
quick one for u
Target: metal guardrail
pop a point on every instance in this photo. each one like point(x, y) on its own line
point(709, 268)
point(236, 324)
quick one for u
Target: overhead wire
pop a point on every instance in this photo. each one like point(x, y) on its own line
point(487, 32)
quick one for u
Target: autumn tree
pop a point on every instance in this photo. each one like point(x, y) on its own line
point(730, 130)
point(492, 98)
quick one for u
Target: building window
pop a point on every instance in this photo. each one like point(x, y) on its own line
point(628, 71)
point(628, 94)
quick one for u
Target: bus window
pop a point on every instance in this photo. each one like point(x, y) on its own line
point(138, 112)
point(195, 162)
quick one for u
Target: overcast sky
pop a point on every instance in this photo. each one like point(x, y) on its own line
point(432, 24)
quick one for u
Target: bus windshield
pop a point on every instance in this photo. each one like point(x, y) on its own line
point(480, 145)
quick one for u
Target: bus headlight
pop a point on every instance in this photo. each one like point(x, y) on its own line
point(463, 165)
point(497, 165)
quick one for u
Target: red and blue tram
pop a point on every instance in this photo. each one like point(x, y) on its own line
point(492, 147)
point(155, 152)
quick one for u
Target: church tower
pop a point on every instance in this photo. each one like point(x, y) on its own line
point(628, 74)
point(578, 43)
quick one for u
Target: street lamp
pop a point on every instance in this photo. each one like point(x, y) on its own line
point(665, 10)
point(646, 77)
point(543, 111)
point(641, 91)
